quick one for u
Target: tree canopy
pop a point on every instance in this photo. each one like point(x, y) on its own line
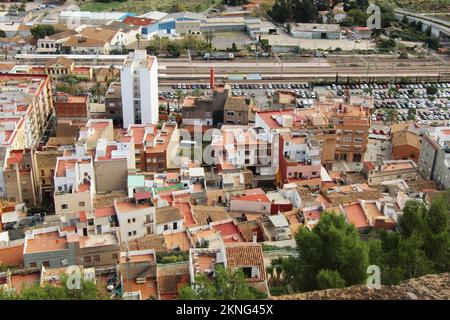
point(225, 285)
point(304, 11)
point(331, 254)
point(42, 30)
point(89, 290)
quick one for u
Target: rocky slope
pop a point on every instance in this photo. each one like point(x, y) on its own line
point(429, 287)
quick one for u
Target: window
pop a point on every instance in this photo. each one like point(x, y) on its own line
point(175, 226)
point(46, 263)
point(134, 233)
point(130, 233)
point(166, 227)
point(96, 258)
point(87, 259)
point(133, 220)
point(64, 206)
point(42, 173)
point(115, 256)
point(81, 203)
point(247, 272)
point(33, 265)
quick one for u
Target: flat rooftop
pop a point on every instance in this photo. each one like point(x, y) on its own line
point(50, 241)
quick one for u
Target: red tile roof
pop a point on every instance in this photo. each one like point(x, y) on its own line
point(136, 21)
point(246, 255)
point(105, 212)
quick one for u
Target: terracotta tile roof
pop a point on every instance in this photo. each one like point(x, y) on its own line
point(206, 214)
point(246, 255)
point(105, 212)
point(151, 241)
point(356, 216)
point(171, 279)
point(138, 21)
point(179, 240)
point(400, 138)
point(167, 214)
point(100, 34)
point(60, 60)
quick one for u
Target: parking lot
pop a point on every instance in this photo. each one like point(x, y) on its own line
point(392, 103)
point(224, 40)
point(262, 93)
point(402, 102)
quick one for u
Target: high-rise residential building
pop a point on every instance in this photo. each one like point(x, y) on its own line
point(139, 82)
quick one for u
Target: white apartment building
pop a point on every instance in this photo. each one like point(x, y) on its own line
point(434, 161)
point(136, 218)
point(139, 83)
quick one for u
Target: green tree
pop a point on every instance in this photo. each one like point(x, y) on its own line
point(431, 90)
point(304, 11)
point(327, 279)
point(179, 95)
point(196, 92)
point(437, 246)
point(433, 43)
point(89, 290)
point(332, 244)
point(209, 36)
point(225, 285)
point(42, 30)
point(423, 244)
point(356, 17)
point(419, 25)
point(362, 4)
point(330, 18)
point(411, 114)
point(387, 12)
point(152, 50)
point(173, 50)
point(413, 219)
point(138, 38)
point(281, 11)
point(405, 19)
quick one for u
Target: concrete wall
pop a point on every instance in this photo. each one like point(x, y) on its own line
point(109, 255)
point(140, 225)
point(53, 257)
point(74, 203)
point(427, 157)
point(105, 181)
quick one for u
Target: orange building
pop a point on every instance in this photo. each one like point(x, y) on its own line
point(405, 142)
